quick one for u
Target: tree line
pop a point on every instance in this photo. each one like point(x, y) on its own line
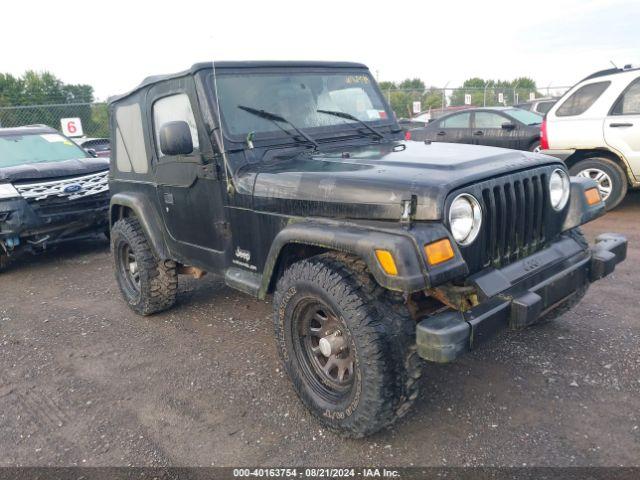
point(484, 92)
point(45, 99)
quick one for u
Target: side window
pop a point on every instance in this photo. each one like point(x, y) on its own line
point(629, 102)
point(460, 120)
point(170, 109)
point(131, 153)
point(580, 100)
point(544, 107)
point(489, 120)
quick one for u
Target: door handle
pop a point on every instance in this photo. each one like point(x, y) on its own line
point(615, 125)
point(441, 133)
point(478, 132)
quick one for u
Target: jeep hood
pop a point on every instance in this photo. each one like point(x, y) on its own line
point(49, 170)
point(371, 182)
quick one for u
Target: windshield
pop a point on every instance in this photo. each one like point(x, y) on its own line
point(297, 97)
point(525, 116)
point(34, 148)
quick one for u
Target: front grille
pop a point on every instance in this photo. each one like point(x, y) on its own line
point(54, 207)
point(517, 218)
point(70, 188)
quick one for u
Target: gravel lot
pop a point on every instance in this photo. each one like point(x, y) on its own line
point(84, 381)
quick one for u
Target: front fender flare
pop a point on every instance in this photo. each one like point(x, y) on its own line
point(147, 215)
point(406, 246)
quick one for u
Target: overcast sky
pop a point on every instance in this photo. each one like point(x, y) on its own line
point(113, 44)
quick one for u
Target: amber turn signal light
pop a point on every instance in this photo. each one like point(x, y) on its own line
point(439, 252)
point(592, 195)
point(387, 262)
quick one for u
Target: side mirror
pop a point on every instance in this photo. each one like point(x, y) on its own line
point(508, 126)
point(175, 138)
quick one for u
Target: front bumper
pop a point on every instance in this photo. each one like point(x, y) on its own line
point(24, 223)
point(518, 294)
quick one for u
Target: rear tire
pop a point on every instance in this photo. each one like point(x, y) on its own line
point(612, 181)
point(377, 351)
point(148, 284)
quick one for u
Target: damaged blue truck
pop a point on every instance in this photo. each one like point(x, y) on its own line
point(294, 179)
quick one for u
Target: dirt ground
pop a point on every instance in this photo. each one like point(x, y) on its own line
point(84, 381)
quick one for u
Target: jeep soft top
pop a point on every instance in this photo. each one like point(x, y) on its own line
point(293, 178)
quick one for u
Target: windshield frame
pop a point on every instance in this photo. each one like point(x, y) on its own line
point(338, 130)
point(81, 152)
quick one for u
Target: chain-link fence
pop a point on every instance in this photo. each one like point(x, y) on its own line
point(406, 103)
point(93, 116)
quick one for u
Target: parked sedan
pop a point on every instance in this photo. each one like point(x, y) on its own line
point(540, 105)
point(506, 127)
point(97, 147)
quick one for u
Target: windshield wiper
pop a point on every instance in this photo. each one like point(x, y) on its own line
point(348, 116)
point(279, 118)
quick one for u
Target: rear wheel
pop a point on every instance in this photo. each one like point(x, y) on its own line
point(347, 346)
point(611, 179)
point(148, 284)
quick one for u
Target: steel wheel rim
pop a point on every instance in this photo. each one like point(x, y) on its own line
point(331, 376)
point(129, 268)
point(605, 185)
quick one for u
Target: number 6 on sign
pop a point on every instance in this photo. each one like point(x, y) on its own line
point(71, 127)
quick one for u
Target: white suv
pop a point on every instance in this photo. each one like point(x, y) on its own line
point(595, 129)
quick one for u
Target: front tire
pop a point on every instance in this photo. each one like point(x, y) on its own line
point(611, 179)
point(148, 284)
point(347, 345)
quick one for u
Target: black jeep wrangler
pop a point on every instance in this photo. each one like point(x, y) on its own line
point(50, 191)
point(293, 178)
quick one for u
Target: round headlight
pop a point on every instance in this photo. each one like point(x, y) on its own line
point(559, 189)
point(465, 218)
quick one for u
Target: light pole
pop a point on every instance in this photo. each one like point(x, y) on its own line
point(444, 95)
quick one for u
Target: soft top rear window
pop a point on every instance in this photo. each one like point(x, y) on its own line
point(581, 100)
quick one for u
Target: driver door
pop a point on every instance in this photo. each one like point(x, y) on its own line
point(189, 190)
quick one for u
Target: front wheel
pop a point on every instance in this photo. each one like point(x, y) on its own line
point(611, 179)
point(148, 284)
point(349, 353)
